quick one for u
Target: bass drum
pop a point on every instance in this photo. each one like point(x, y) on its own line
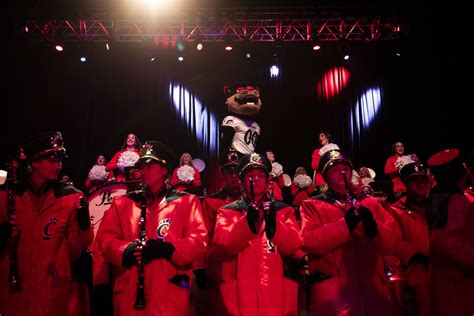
point(100, 201)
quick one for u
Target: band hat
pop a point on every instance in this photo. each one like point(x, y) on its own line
point(413, 170)
point(43, 145)
point(253, 161)
point(229, 160)
point(332, 157)
point(155, 151)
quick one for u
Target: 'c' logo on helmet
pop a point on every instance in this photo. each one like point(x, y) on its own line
point(163, 228)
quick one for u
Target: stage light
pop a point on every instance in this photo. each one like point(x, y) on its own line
point(107, 46)
point(248, 55)
point(27, 29)
point(59, 48)
point(152, 59)
point(316, 47)
point(83, 59)
point(398, 54)
point(274, 71)
point(228, 47)
point(199, 46)
point(180, 58)
point(180, 45)
point(346, 57)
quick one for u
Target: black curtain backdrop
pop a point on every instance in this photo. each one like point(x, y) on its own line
point(97, 103)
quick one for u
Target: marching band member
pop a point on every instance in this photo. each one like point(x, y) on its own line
point(451, 221)
point(251, 236)
point(50, 232)
point(210, 277)
point(345, 238)
point(413, 250)
point(153, 273)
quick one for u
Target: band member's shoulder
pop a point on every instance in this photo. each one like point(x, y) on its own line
point(175, 195)
point(238, 205)
point(325, 197)
point(63, 189)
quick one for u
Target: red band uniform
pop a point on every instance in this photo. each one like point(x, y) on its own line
point(54, 229)
point(252, 271)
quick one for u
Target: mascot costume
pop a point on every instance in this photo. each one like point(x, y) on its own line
point(239, 131)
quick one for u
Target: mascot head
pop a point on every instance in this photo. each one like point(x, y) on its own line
point(243, 98)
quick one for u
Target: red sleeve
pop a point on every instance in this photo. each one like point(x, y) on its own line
point(112, 165)
point(174, 180)
point(287, 236)
point(231, 236)
point(405, 250)
point(451, 240)
point(280, 181)
point(320, 238)
point(390, 165)
point(294, 189)
point(109, 235)
point(197, 178)
point(315, 159)
point(88, 183)
point(77, 239)
point(192, 245)
point(389, 234)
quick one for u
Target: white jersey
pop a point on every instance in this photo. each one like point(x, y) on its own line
point(246, 134)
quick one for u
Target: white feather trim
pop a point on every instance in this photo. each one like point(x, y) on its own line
point(327, 148)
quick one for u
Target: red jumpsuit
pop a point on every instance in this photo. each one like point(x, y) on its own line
point(112, 165)
point(415, 238)
point(252, 272)
point(452, 260)
point(210, 206)
point(176, 184)
point(49, 241)
point(176, 219)
point(391, 170)
point(351, 270)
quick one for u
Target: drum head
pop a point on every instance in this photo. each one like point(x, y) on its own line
point(100, 201)
point(199, 164)
point(287, 180)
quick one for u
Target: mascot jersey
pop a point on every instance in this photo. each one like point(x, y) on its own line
point(245, 136)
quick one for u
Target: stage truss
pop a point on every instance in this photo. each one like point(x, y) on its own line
point(236, 24)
